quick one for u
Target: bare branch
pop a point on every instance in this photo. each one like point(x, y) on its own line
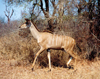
point(42, 6)
point(46, 13)
point(5, 14)
point(54, 6)
point(47, 5)
point(12, 13)
point(95, 36)
point(37, 15)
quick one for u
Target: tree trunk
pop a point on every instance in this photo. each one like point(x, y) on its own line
point(91, 8)
point(99, 12)
point(99, 7)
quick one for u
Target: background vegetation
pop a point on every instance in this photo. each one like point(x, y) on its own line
point(79, 19)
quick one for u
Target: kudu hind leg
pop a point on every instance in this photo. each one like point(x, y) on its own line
point(69, 61)
point(73, 56)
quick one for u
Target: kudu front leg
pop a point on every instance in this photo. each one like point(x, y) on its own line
point(49, 59)
point(36, 57)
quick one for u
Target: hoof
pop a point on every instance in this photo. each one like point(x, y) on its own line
point(49, 70)
point(75, 70)
point(32, 69)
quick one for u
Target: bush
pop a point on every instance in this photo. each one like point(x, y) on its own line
point(22, 47)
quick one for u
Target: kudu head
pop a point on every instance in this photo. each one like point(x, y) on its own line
point(27, 24)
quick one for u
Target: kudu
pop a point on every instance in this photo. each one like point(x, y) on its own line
point(49, 41)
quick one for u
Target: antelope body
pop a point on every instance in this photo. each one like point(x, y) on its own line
point(47, 41)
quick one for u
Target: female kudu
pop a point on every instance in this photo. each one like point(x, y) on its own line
point(48, 41)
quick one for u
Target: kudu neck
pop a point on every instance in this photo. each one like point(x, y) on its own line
point(34, 31)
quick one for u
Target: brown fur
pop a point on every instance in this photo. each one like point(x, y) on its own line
point(47, 40)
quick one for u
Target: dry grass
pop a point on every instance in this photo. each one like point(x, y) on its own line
point(17, 51)
point(85, 70)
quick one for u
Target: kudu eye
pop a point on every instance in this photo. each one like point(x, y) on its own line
point(27, 23)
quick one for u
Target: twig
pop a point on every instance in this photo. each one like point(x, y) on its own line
point(95, 36)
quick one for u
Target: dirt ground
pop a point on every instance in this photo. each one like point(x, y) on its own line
point(89, 70)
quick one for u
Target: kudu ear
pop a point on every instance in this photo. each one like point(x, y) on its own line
point(27, 21)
